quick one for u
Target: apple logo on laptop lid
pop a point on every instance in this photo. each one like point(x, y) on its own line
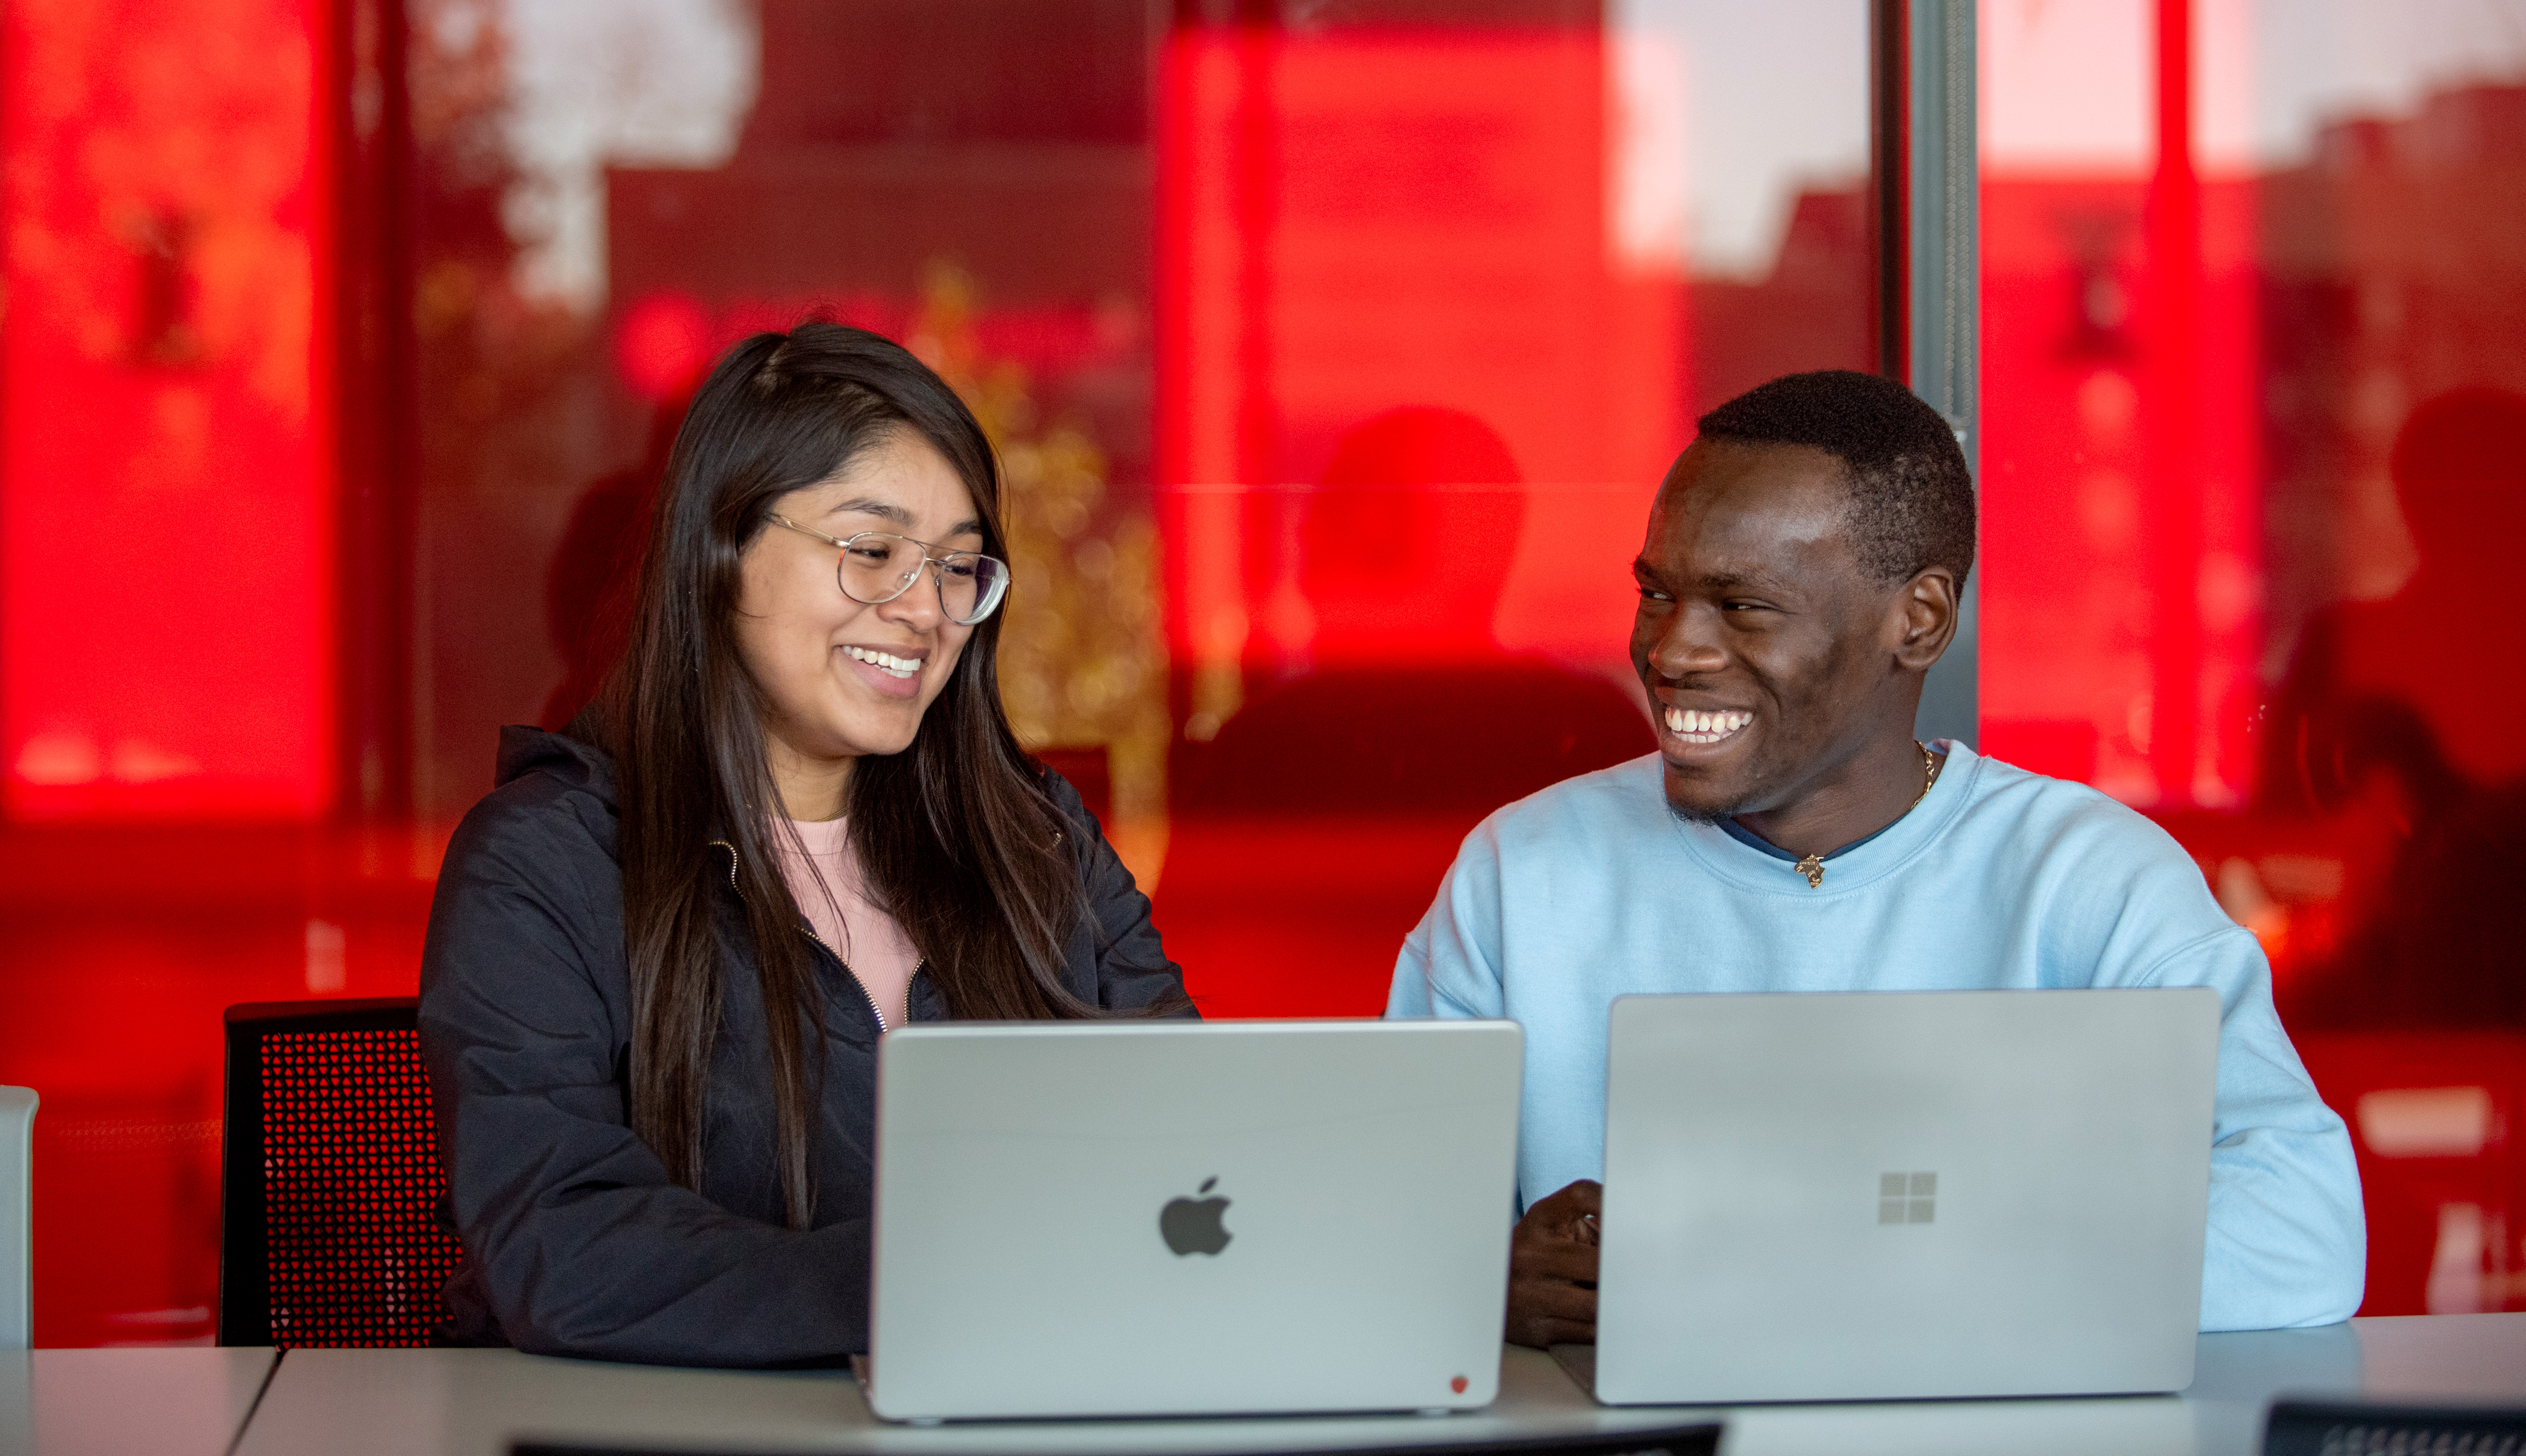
point(1192, 1225)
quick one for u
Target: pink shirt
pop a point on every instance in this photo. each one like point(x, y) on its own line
point(867, 938)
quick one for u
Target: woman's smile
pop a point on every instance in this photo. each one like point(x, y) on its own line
point(890, 672)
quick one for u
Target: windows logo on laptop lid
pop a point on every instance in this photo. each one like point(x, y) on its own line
point(1913, 1194)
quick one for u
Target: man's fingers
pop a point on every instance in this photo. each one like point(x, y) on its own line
point(1553, 1259)
point(1539, 1331)
point(1552, 1269)
point(1585, 1196)
point(1555, 1301)
point(1569, 1215)
point(1567, 1332)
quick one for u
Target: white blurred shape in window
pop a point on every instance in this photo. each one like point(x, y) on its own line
point(597, 82)
point(328, 961)
point(2071, 85)
point(2314, 62)
point(2426, 1121)
point(2456, 1264)
point(1774, 99)
point(2067, 86)
point(1651, 157)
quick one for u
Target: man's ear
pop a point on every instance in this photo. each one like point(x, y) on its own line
point(1924, 619)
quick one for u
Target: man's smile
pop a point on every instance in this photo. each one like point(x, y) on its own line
point(1691, 726)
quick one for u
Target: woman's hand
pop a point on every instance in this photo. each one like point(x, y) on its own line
point(1552, 1269)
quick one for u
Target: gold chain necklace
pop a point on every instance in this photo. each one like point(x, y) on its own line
point(1812, 866)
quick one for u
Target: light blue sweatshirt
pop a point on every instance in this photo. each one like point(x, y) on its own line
point(1594, 890)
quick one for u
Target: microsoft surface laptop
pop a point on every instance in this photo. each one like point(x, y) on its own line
point(1177, 1218)
point(1903, 1194)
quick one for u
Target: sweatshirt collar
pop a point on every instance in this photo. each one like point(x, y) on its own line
point(1764, 869)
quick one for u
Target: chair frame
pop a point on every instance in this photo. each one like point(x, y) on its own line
point(245, 1231)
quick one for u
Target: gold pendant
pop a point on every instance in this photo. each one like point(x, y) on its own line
point(1812, 866)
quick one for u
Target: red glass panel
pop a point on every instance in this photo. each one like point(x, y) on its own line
point(165, 591)
point(166, 618)
point(1424, 351)
point(2254, 404)
point(1402, 358)
point(1334, 358)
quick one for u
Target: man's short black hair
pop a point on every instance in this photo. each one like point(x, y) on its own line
point(1911, 497)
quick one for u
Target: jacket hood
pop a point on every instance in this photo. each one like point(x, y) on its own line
point(532, 750)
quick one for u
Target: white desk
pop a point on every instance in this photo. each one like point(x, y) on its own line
point(473, 1402)
point(168, 1402)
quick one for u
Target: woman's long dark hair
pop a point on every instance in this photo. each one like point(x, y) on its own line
point(955, 835)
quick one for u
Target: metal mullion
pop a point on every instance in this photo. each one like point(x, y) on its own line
point(1941, 274)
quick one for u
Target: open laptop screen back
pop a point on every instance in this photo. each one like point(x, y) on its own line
point(1904, 1195)
point(1156, 1219)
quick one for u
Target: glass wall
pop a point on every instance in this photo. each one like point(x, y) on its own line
point(1333, 350)
point(2254, 393)
point(167, 627)
point(1443, 288)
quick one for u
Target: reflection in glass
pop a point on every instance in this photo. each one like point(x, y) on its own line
point(2254, 287)
point(1331, 352)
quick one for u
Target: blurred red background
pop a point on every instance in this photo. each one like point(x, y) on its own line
point(1334, 351)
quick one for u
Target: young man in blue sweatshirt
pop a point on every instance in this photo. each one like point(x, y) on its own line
point(1802, 569)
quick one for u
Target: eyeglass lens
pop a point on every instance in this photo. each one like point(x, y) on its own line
point(878, 567)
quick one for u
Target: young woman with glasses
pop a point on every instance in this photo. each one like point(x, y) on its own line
point(663, 950)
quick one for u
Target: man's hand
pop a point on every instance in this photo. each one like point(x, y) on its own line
point(1552, 1269)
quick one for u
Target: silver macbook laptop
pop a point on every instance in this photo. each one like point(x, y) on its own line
point(1173, 1217)
point(1903, 1194)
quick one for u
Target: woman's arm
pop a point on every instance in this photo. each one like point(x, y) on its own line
point(580, 1243)
point(1115, 960)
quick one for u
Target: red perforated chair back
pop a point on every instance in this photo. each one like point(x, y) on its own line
point(330, 1180)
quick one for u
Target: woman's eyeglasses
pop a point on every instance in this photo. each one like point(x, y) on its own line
point(878, 566)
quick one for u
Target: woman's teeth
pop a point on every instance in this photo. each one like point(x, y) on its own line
point(1704, 727)
point(885, 662)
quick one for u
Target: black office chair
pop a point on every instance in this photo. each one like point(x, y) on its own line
point(329, 1179)
point(2352, 1428)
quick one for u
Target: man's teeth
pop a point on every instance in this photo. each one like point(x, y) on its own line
point(1704, 727)
point(885, 662)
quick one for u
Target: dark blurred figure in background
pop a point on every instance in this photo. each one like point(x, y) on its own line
point(596, 566)
point(2401, 719)
point(1411, 724)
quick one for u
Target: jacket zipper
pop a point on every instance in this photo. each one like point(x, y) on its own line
point(809, 931)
